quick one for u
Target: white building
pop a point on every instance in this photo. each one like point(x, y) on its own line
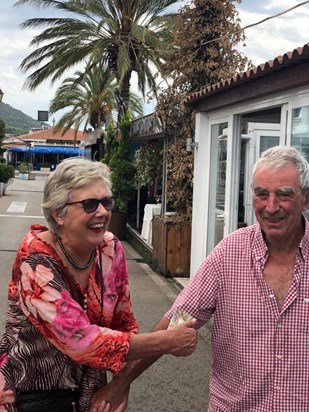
point(236, 120)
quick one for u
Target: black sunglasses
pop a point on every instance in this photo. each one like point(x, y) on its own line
point(91, 205)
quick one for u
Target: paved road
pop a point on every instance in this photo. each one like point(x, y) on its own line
point(171, 384)
point(19, 208)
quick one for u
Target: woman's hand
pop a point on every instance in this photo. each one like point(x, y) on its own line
point(111, 398)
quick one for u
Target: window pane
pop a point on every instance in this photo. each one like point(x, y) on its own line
point(300, 129)
point(267, 142)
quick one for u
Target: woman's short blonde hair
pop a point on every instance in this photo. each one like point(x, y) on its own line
point(70, 175)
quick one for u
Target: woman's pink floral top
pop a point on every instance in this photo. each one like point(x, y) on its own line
point(50, 342)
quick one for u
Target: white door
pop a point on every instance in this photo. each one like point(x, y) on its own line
point(262, 137)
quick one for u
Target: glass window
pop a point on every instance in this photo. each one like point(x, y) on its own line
point(266, 142)
point(300, 129)
point(217, 183)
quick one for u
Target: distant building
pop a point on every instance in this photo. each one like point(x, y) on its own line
point(43, 147)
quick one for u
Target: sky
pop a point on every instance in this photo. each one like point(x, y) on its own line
point(263, 42)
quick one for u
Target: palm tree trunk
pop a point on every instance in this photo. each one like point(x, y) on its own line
point(124, 95)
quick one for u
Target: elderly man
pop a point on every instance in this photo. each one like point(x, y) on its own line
point(256, 284)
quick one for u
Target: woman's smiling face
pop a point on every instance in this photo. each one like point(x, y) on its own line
point(81, 228)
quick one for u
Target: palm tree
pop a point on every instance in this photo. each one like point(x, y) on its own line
point(127, 35)
point(91, 99)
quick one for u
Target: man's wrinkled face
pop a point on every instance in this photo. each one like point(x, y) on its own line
point(278, 201)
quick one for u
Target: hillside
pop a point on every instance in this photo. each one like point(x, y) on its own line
point(16, 122)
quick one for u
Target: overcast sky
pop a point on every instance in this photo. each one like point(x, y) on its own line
point(264, 42)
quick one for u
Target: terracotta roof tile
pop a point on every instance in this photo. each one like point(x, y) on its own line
point(47, 135)
point(280, 62)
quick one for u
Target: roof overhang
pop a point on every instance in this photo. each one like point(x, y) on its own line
point(283, 73)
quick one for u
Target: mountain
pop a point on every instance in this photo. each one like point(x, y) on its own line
point(16, 122)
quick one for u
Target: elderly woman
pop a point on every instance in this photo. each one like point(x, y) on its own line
point(69, 311)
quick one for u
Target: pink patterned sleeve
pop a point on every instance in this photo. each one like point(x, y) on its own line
point(123, 318)
point(63, 322)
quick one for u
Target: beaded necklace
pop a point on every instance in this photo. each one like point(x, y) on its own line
point(73, 263)
point(85, 303)
point(85, 300)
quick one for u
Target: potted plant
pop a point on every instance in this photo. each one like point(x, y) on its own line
point(7, 174)
point(24, 170)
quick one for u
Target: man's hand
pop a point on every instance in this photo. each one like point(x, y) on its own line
point(111, 398)
point(185, 338)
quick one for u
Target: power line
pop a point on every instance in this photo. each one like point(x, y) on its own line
point(259, 22)
point(275, 15)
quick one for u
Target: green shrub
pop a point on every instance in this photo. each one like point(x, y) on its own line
point(122, 168)
point(117, 157)
point(25, 167)
point(7, 172)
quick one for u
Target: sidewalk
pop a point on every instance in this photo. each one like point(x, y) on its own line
point(171, 384)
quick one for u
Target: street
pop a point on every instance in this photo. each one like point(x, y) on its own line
point(25, 198)
point(171, 384)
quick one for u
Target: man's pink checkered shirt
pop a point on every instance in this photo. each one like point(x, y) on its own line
point(260, 355)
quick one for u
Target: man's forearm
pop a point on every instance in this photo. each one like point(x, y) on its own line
point(153, 344)
point(134, 368)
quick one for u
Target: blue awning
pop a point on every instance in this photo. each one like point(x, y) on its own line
point(71, 151)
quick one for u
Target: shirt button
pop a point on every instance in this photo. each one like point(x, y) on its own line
point(271, 296)
point(279, 325)
point(277, 387)
point(279, 357)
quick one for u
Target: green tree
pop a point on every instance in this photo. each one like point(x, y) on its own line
point(180, 125)
point(2, 134)
point(89, 98)
point(207, 32)
point(127, 35)
point(122, 168)
point(148, 162)
point(110, 143)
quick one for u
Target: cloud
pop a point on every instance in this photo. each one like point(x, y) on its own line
point(276, 36)
point(15, 47)
point(264, 42)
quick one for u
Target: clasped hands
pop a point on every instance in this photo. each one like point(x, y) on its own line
point(114, 396)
